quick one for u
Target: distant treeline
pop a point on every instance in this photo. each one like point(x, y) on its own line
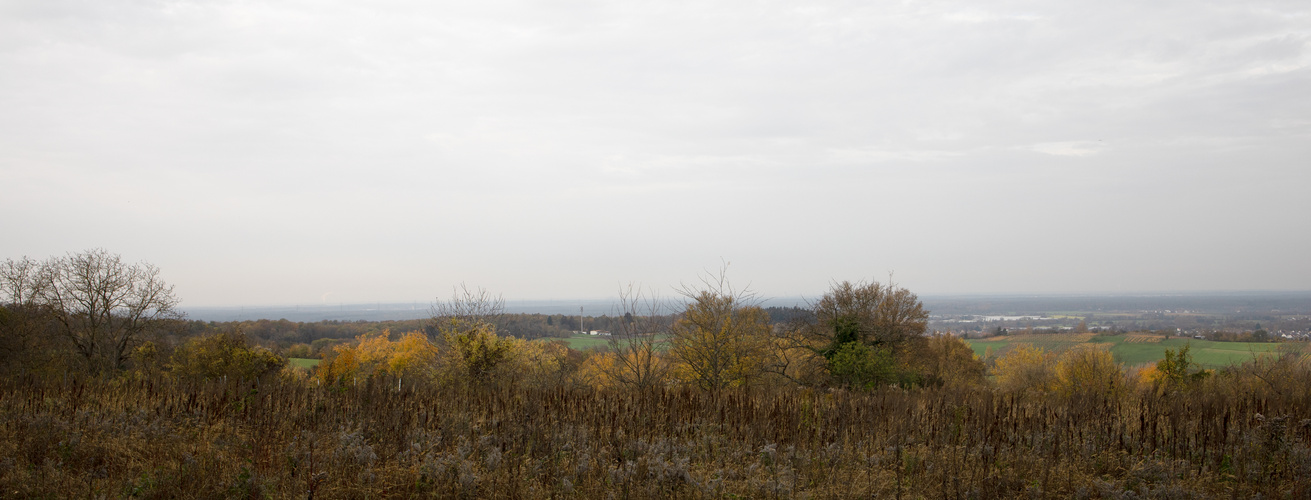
point(283, 335)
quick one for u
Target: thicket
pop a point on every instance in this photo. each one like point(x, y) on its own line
point(311, 339)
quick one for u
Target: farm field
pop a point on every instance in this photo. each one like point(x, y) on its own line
point(581, 342)
point(306, 363)
point(1133, 350)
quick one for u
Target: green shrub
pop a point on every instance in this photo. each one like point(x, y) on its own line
point(223, 355)
point(855, 364)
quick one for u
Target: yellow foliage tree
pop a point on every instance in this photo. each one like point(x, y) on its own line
point(599, 370)
point(412, 355)
point(543, 363)
point(631, 368)
point(339, 366)
point(1090, 371)
point(718, 342)
point(1025, 368)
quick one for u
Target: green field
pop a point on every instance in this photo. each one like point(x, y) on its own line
point(581, 342)
point(305, 363)
point(1204, 352)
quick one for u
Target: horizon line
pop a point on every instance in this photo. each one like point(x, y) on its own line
point(582, 301)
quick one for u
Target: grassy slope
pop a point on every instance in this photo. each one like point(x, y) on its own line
point(303, 362)
point(1205, 352)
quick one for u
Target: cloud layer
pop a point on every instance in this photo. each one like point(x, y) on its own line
point(285, 151)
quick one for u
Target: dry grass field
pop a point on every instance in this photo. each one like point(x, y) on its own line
point(282, 438)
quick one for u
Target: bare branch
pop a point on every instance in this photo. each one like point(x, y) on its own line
point(638, 361)
point(103, 305)
point(468, 307)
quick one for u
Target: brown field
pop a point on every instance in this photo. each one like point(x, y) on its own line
point(1143, 339)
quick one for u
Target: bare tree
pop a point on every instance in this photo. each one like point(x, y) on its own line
point(467, 309)
point(19, 285)
point(24, 325)
point(638, 362)
point(103, 305)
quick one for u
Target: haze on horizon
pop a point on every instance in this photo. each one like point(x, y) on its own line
point(288, 153)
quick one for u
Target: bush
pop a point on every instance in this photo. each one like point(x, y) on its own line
point(1025, 369)
point(223, 355)
point(300, 351)
point(1089, 371)
point(857, 365)
point(477, 353)
point(323, 347)
point(1175, 371)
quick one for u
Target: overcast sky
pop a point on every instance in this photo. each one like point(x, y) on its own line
point(305, 152)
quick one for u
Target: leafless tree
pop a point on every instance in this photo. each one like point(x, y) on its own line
point(19, 285)
point(467, 308)
point(103, 305)
point(24, 325)
point(638, 362)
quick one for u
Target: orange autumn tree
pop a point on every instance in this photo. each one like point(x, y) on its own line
point(410, 356)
